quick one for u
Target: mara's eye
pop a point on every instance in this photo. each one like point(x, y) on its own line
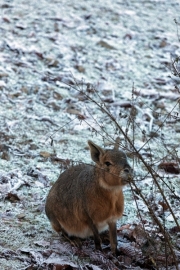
point(108, 163)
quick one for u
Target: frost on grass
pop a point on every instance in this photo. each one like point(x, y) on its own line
point(45, 124)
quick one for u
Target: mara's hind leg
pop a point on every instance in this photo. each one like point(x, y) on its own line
point(73, 240)
point(55, 225)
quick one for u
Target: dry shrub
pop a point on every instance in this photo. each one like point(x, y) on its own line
point(156, 162)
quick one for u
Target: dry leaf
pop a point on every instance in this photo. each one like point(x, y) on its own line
point(45, 154)
point(170, 167)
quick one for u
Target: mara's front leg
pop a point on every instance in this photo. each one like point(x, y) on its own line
point(97, 239)
point(113, 237)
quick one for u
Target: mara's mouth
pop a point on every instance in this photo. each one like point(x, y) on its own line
point(126, 180)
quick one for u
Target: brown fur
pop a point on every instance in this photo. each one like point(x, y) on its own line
point(87, 199)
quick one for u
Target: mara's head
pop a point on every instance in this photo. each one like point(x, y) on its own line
point(114, 168)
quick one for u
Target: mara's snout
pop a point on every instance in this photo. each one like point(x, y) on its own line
point(126, 175)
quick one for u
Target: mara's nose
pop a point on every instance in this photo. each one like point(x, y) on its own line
point(128, 171)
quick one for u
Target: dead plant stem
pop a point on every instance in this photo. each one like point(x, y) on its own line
point(166, 235)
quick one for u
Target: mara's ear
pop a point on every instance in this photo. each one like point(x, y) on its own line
point(96, 151)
